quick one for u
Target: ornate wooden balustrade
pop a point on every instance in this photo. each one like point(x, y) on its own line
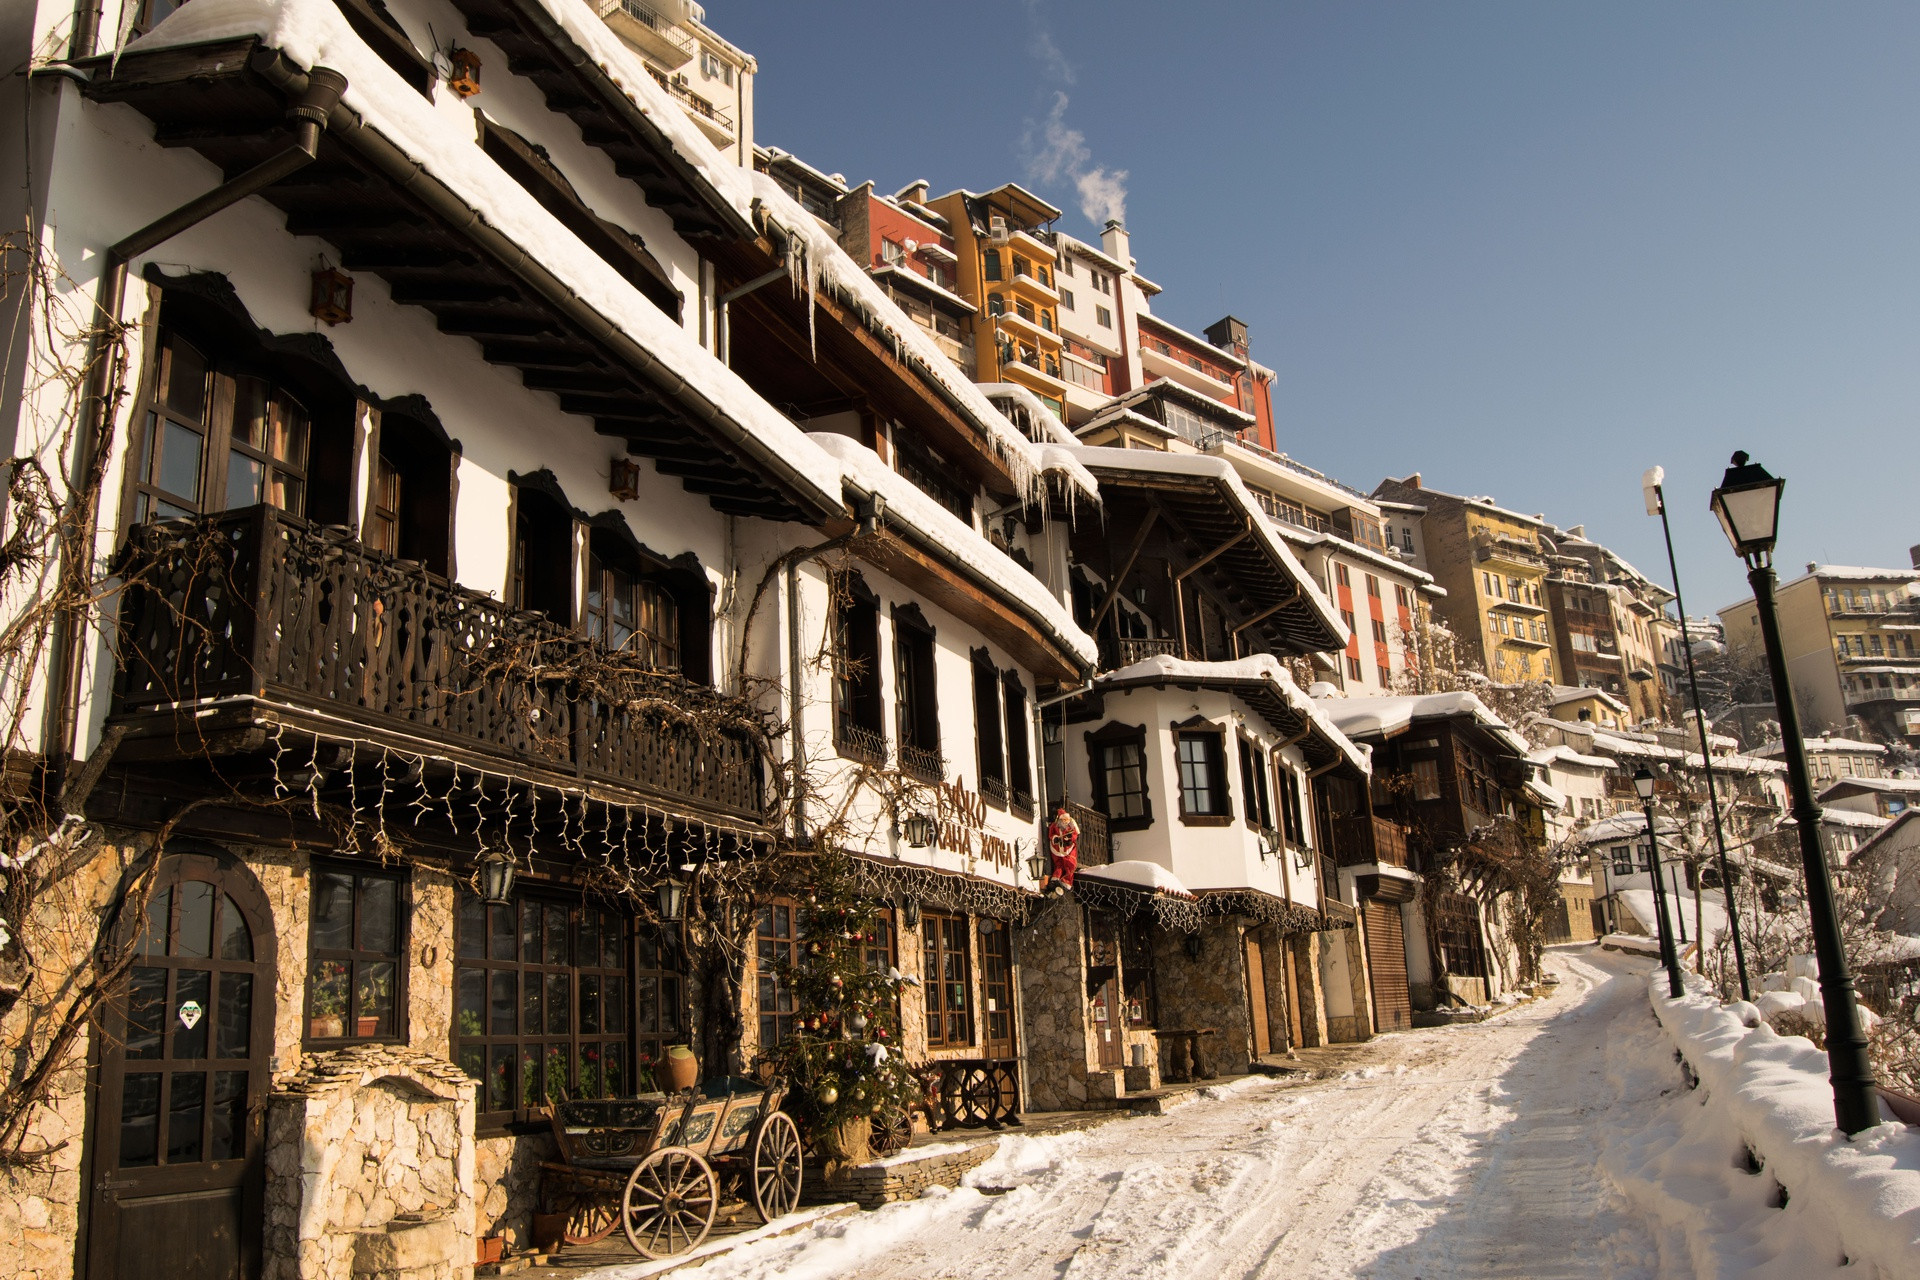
point(1362, 840)
point(255, 603)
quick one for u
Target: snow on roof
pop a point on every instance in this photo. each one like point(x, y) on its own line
point(1260, 666)
point(1860, 574)
point(314, 33)
point(991, 566)
point(1221, 472)
point(888, 271)
point(1634, 747)
point(1069, 244)
point(1390, 715)
point(1892, 786)
point(1036, 408)
point(1549, 796)
point(1565, 693)
point(1226, 357)
point(1777, 747)
point(1853, 818)
point(1623, 826)
point(1563, 754)
point(1139, 875)
point(1898, 828)
point(1293, 533)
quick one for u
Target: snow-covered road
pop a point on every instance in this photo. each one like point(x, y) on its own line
point(1470, 1151)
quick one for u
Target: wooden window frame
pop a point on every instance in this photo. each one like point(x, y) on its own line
point(355, 956)
point(575, 1040)
point(859, 705)
point(1018, 743)
point(938, 929)
point(770, 949)
point(990, 743)
point(1099, 742)
point(1212, 740)
point(916, 675)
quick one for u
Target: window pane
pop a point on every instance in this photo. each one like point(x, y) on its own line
point(588, 1071)
point(557, 1003)
point(194, 935)
point(532, 1088)
point(233, 1016)
point(648, 1017)
point(470, 1009)
point(180, 454)
point(533, 1018)
point(186, 379)
point(186, 1109)
point(614, 1004)
point(327, 982)
point(588, 944)
point(500, 947)
point(616, 1069)
point(146, 1012)
point(613, 930)
point(243, 480)
point(229, 1140)
point(589, 1004)
point(473, 1060)
point(379, 915)
point(236, 939)
point(332, 911)
point(192, 993)
point(558, 1086)
point(502, 1022)
point(374, 996)
point(500, 1079)
point(139, 1120)
point(153, 937)
point(556, 935)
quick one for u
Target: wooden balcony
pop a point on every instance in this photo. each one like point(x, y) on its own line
point(1124, 653)
point(1363, 840)
point(1096, 846)
point(254, 617)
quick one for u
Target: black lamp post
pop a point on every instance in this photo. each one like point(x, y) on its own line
point(1748, 506)
point(1643, 786)
point(1651, 485)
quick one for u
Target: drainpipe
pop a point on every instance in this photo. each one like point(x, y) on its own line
point(314, 98)
point(721, 312)
point(86, 29)
point(794, 703)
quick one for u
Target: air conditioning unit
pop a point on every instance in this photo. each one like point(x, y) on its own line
point(680, 80)
point(997, 229)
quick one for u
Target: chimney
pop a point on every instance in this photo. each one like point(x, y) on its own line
point(914, 192)
point(1913, 554)
point(1578, 531)
point(1813, 566)
point(1229, 333)
point(1412, 481)
point(1114, 241)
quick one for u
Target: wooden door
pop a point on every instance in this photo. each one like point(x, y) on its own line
point(1109, 1023)
point(996, 983)
point(175, 1145)
point(1257, 997)
point(1387, 964)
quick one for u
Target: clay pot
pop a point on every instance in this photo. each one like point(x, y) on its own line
point(683, 1069)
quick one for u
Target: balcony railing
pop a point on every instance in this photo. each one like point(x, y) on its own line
point(1096, 844)
point(857, 742)
point(256, 603)
point(1124, 652)
point(1362, 840)
point(922, 763)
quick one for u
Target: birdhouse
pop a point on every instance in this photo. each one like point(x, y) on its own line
point(465, 77)
point(625, 483)
point(332, 296)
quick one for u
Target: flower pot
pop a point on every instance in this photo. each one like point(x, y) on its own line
point(489, 1249)
point(327, 1027)
point(369, 1026)
point(683, 1069)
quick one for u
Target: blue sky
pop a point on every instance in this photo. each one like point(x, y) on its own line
point(1524, 249)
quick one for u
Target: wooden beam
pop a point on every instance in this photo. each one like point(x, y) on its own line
point(1266, 613)
point(1126, 567)
point(1218, 551)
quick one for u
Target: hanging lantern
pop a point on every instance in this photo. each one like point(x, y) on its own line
point(672, 897)
point(332, 299)
point(918, 828)
point(496, 876)
point(910, 913)
point(625, 481)
point(464, 78)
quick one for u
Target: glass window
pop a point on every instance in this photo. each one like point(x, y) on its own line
point(990, 264)
point(627, 612)
point(1019, 741)
point(1426, 779)
point(987, 729)
point(548, 1005)
point(1124, 794)
point(947, 980)
point(1103, 317)
point(356, 955)
point(776, 953)
point(1203, 782)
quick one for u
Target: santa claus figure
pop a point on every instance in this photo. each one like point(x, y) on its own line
point(1063, 842)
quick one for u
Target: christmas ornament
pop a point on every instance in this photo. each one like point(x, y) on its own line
point(829, 1095)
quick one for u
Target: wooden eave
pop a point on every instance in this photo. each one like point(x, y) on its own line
point(387, 216)
point(1202, 516)
point(574, 85)
point(843, 362)
point(1273, 706)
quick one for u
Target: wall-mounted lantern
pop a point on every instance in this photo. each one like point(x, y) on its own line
point(672, 899)
point(464, 79)
point(496, 876)
point(332, 299)
point(624, 483)
point(910, 913)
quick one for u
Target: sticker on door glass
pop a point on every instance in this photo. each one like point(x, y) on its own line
point(190, 1013)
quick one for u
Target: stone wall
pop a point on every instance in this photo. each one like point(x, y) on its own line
point(907, 1176)
point(1053, 983)
point(370, 1168)
point(506, 1185)
point(1208, 992)
point(1274, 965)
point(1345, 963)
point(1305, 951)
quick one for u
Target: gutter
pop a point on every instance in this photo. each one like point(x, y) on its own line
point(314, 100)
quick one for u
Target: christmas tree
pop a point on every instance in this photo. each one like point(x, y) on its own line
point(843, 1061)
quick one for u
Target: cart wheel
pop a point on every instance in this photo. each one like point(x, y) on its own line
point(776, 1166)
point(979, 1098)
point(891, 1132)
point(669, 1203)
point(592, 1215)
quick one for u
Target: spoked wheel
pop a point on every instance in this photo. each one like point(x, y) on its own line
point(776, 1166)
point(892, 1131)
point(979, 1098)
point(669, 1203)
point(592, 1215)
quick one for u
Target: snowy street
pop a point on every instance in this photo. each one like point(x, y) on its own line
point(1468, 1151)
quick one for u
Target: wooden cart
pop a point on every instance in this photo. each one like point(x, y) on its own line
point(657, 1166)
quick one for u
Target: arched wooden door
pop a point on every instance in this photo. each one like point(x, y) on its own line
point(176, 1136)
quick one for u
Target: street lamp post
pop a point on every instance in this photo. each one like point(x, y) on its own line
point(1651, 485)
point(1643, 785)
point(1747, 504)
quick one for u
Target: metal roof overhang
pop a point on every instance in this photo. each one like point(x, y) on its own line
point(1202, 513)
point(386, 215)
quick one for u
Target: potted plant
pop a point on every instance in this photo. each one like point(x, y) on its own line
point(376, 992)
point(327, 1019)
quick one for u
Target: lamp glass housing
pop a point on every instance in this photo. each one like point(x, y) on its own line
point(918, 828)
point(910, 913)
point(496, 876)
point(672, 897)
point(1643, 785)
point(1747, 504)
